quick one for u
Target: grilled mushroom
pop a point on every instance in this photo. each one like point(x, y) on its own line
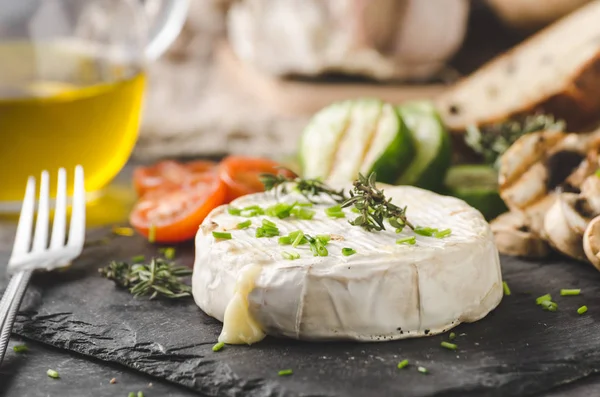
point(513, 237)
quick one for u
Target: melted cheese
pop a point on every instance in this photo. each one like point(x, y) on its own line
point(238, 325)
point(384, 291)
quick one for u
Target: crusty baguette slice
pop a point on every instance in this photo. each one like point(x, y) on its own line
point(555, 71)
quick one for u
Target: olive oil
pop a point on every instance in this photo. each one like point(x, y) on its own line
point(61, 105)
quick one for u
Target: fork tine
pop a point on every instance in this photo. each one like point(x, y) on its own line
point(77, 227)
point(23, 236)
point(40, 239)
point(60, 213)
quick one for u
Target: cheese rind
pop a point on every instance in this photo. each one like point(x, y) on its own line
point(385, 291)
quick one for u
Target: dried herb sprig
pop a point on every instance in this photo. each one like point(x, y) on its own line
point(311, 189)
point(159, 277)
point(374, 207)
point(493, 140)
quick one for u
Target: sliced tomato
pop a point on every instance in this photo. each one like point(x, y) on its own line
point(175, 211)
point(241, 175)
point(167, 174)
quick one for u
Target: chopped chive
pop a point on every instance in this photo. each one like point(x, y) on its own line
point(582, 309)
point(321, 250)
point(285, 372)
point(399, 230)
point(422, 370)
point(140, 394)
point(448, 345)
point(407, 240)
point(452, 336)
point(267, 222)
point(335, 212)
point(152, 233)
point(169, 252)
point(280, 210)
point(303, 214)
point(138, 258)
point(305, 204)
point(123, 231)
point(222, 235)
point(425, 231)
point(218, 346)
point(402, 364)
point(348, 251)
point(543, 298)
point(570, 292)
point(234, 211)
point(245, 224)
point(20, 348)
point(442, 233)
point(290, 255)
point(324, 238)
point(284, 240)
point(549, 305)
point(131, 394)
point(298, 239)
point(506, 288)
point(52, 373)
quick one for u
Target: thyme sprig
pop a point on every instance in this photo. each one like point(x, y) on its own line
point(373, 207)
point(157, 278)
point(311, 189)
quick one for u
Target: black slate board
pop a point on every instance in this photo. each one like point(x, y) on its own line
point(517, 350)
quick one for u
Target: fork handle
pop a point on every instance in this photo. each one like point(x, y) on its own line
point(9, 306)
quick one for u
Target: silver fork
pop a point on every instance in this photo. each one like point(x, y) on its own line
point(27, 257)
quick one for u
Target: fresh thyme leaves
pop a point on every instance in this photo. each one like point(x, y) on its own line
point(374, 207)
point(493, 140)
point(159, 277)
point(309, 188)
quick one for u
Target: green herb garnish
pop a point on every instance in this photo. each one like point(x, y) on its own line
point(402, 364)
point(290, 255)
point(138, 258)
point(284, 240)
point(422, 370)
point(218, 346)
point(303, 213)
point(407, 240)
point(20, 348)
point(152, 234)
point(442, 233)
point(570, 292)
point(52, 374)
point(285, 372)
point(543, 298)
point(316, 246)
point(140, 394)
point(335, 212)
point(159, 277)
point(222, 235)
point(582, 309)
point(309, 188)
point(268, 229)
point(280, 210)
point(452, 336)
point(234, 211)
point(251, 210)
point(506, 288)
point(549, 305)
point(298, 239)
point(448, 345)
point(425, 231)
point(245, 224)
point(348, 251)
point(168, 252)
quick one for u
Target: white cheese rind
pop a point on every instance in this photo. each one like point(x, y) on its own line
point(385, 291)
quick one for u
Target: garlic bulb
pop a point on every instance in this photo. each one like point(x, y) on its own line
point(381, 39)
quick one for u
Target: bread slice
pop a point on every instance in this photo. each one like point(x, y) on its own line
point(556, 71)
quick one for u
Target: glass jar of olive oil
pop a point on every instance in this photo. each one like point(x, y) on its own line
point(72, 82)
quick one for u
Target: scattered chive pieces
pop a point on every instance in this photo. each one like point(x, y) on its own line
point(222, 235)
point(422, 370)
point(543, 298)
point(234, 211)
point(140, 394)
point(348, 251)
point(280, 210)
point(131, 394)
point(402, 364)
point(549, 305)
point(20, 348)
point(448, 345)
point(452, 336)
point(52, 373)
point(582, 309)
point(123, 231)
point(152, 233)
point(267, 222)
point(290, 255)
point(335, 212)
point(442, 233)
point(570, 292)
point(251, 210)
point(218, 346)
point(324, 238)
point(138, 259)
point(407, 240)
point(285, 372)
point(425, 231)
point(303, 213)
point(244, 225)
point(169, 252)
point(506, 288)
point(305, 204)
point(268, 229)
point(284, 240)
point(298, 239)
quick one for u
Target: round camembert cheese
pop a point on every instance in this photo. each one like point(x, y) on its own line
point(384, 291)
